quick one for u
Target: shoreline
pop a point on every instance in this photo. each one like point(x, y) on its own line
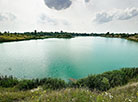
point(15, 37)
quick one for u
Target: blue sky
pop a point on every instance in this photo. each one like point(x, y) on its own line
point(69, 15)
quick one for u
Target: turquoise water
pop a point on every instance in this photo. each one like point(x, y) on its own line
point(66, 58)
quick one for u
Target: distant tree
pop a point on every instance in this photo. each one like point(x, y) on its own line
point(15, 33)
point(108, 33)
point(5, 32)
point(35, 31)
point(61, 31)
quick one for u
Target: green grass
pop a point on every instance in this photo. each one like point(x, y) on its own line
point(127, 93)
point(112, 86)
point(118, 94)
point(19, 37)
point(10, 95)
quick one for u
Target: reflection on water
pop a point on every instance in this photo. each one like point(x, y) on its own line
point(66, 58)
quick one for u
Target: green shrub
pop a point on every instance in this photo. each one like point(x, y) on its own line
point(108, 79)
point(26, 85)
point(8, 81)
point(49, 83)
point(100, 82)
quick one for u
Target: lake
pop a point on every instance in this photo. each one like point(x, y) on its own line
point(66, 58)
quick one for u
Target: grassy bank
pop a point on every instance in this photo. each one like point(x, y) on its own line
point(111, 86)
point(127, 93)
point(133, 37)
point(9, 37)
point(118, 94)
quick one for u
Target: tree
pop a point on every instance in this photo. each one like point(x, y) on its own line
point(61, 31)
point(35, 31)
point(108, 33)
point(5, 32)
point(105, 84)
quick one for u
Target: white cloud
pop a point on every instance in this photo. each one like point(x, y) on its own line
point(45, 19)
point(103, 17)
point(127, 13)
point(7, 16)
point(116, 14)
point(77, 17)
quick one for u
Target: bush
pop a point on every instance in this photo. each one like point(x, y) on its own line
point(8, 81)
point(108, 79)
point(105, 85)
point(54, 84)
point(26, 85)
point(100, 82)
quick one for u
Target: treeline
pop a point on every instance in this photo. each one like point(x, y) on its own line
point(133, 37)
point(52, 34)
point(26, 84)
point(41, 33)
point(7, 36)
point(100, 82)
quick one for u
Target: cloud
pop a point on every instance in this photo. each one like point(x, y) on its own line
point(117, 14)
point(103, 17)
point(7, 17)
point(45, 19)
point(128, 14)
point(87, 1)
point(58, 4)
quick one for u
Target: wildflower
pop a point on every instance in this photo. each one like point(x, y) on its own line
point(106, 93)
point(110, 96)
point(137, 93)
point(32, 96)
point(130, 100)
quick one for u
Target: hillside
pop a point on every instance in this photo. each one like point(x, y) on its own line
point(112, 86)
point(127, 93)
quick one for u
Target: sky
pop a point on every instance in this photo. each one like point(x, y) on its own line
point(88, 16)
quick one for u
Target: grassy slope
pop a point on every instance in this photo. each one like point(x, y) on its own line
point(130, 37)
point(127, 93)
point(8, 37)
point(133, 38)
point(12, 37)
point(19, 37)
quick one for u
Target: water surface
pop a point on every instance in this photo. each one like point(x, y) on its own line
point(66, 58)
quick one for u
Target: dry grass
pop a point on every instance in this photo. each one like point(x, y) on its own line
point(127, 93)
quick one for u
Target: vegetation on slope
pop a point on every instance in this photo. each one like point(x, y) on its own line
point(118, 94)
point(8, 37)
point(133, 37)
point(101, 82)
point(108, 79)
point(128, 93)
point(94, 88)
